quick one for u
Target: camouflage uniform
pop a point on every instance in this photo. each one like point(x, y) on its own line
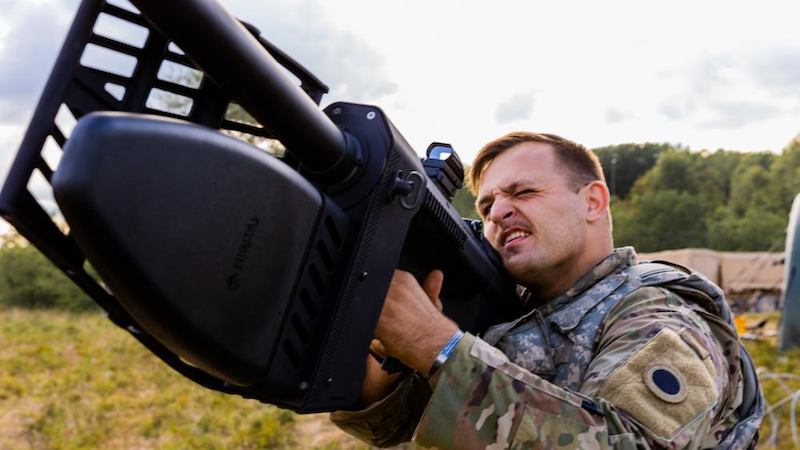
point(616, 361)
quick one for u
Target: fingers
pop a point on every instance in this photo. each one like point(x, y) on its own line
point(411, 327)
point(433, 286)
point(377, 347)
point(377, 383)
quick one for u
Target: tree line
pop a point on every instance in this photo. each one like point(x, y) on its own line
point(663, 197)
point(29, 280)
point(667, 197)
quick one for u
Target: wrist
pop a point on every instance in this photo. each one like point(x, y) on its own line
point(430, 349)
point(444, 354)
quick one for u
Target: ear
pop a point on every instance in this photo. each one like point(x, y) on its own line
point(597, 201)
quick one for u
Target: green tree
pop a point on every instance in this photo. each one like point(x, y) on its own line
point(659, 220)
point(665, 209)
point(758, 229)
point(623, 164)
point(464, 202)
point(236, 113)
point(675, 170)
point(751, 189)
point(29, 280)
point(755, 215)
point(715, 174)
point(785, 176)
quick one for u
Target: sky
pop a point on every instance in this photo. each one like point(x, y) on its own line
point(704, 74)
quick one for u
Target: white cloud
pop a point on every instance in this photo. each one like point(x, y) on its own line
point(603, 73)
point(343, 60)
point(517, 107)
point(32, 35)
point(735, 89)
point(614, 115)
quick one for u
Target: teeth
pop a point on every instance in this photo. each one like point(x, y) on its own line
point(515, 235)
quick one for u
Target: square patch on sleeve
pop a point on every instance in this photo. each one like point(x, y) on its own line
point(664, 386)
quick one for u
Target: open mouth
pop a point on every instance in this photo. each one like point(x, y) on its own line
point(515, 237)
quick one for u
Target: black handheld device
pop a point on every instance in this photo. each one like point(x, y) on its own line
point(249, 274)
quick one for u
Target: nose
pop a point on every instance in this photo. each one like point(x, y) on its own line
point(501, 210)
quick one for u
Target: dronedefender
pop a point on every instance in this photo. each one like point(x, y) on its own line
point(247, 273)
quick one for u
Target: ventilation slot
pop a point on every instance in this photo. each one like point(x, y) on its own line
point(235, 113)
point(175, 49)
point(241, 125)
point(308, 303)
point(115, 90)
point(42, 192)
point(123, 4)
point(179, 74)
point(107, 60)
point(300, 328)
point(51, 153)
point(169, 102)
point(65, 121)
point(294, 358)
point(316, 279)
point(325, 255)
point(120, 30)
point(333, 232)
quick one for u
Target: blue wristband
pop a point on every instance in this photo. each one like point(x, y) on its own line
point(445, 353)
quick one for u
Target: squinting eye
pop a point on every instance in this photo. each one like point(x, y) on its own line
point(487, 210)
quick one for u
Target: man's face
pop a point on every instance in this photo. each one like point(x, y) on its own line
point(532, 216)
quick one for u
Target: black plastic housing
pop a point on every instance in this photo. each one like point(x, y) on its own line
point(214, 282)
point(247, 274)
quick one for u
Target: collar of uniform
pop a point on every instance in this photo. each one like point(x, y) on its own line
point(566, 312)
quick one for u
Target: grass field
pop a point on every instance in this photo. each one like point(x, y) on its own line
point(74, 381)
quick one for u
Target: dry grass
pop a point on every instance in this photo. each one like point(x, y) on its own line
point(776, 428)
point(74, 381)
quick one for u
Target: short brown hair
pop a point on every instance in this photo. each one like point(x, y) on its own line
point(582, 164)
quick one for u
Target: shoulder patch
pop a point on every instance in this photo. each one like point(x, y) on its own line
point(664, 385)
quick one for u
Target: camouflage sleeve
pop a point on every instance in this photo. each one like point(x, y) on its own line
point(668, 369)
point(389, 421)
point(482, 400)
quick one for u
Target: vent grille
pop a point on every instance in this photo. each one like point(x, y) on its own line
point(448, 224)
point(317, 282)
point(114, 61)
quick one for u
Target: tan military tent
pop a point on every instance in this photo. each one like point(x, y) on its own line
point(750, 280)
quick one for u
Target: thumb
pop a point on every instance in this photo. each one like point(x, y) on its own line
point(376, 346)
point(433, 286)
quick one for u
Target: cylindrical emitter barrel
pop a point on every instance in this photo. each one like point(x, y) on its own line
point(224, 49)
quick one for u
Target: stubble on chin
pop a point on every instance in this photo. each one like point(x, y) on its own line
point(524, 269)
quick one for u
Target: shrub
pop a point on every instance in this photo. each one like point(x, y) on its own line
point(29, 280)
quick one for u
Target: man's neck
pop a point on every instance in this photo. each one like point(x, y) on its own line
point(561, 277)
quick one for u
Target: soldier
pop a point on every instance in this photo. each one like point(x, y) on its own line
point(611, 353)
